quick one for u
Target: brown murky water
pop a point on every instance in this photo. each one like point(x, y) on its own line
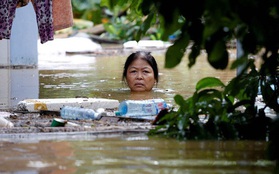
point(101, 77)
point(133, 153)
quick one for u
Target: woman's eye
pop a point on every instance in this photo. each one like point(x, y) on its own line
point(133, 71)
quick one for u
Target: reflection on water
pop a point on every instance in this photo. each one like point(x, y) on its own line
point(90, 76)
point(134, 153)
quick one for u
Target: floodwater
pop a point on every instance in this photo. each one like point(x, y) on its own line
point(132, 153)
point(61, 76)
point(82, 75)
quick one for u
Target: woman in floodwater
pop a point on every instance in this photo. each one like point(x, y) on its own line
point(141, 74)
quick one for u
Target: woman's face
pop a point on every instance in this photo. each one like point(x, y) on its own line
point(140, 76)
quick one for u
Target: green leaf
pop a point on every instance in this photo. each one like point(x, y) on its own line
point(179, 100)
point(270, 95)
point(195, 52)
point(209, 95)
point(218, 57)
point(110, 28)
point(138, 35)
point(239, 62)
point(209, 82)
point(175, 52)
point(147, 22)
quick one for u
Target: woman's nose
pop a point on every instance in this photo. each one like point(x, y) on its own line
point(139, 75)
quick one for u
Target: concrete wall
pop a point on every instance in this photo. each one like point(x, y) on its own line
point(19, 59)
point(4, 52)
point(23, 43)
point(22, 47)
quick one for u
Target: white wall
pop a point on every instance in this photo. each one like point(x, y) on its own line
point(4, 52)
point(24, 36)
point(21, 50)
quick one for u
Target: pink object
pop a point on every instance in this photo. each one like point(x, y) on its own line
point(62, 14)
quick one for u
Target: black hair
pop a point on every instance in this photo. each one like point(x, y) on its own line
point(144, 56)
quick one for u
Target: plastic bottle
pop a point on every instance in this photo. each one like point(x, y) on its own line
point(77, 113)
point(138, 108)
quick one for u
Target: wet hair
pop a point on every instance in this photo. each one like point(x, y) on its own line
point(144, 56)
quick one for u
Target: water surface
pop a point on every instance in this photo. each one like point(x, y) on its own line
point(133, 153)
point(101, 76)
point(64, 76)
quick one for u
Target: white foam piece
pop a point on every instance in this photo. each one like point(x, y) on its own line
point(145, 44)
point(35, 105)
point(130, 44)
point(71, 44)
point(151, 43)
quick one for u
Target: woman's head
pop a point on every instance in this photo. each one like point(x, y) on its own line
point(140, 71)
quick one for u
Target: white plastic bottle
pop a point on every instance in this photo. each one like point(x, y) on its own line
point(77, 113)
point(138, 108)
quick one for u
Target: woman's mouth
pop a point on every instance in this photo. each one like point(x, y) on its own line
point(139, 84)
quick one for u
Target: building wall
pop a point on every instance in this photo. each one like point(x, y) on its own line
point(19, 60)
point(23, 47)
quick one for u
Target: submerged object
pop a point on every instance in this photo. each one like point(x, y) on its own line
point(77, 113)
point(139, 108)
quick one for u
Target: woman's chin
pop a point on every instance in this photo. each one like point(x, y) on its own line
point(139, 90)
